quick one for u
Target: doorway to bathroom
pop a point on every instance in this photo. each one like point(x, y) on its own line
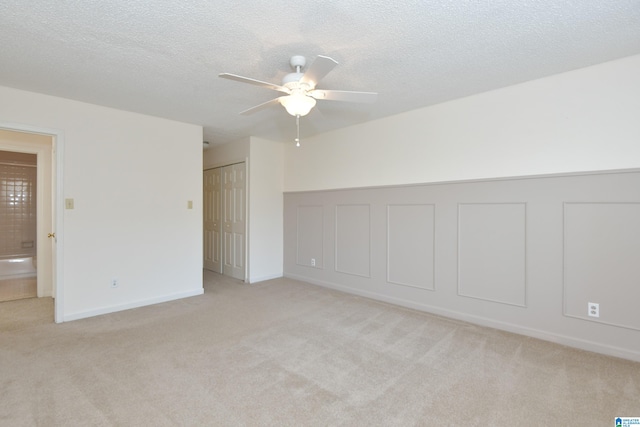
point(26, 215)
point(18, 226)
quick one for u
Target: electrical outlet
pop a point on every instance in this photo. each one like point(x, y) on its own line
point(593, 309)
point(313, 262)
point(114, 283)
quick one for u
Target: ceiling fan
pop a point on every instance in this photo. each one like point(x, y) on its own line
point(300, 88)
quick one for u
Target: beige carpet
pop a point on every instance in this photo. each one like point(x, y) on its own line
point(284, 353)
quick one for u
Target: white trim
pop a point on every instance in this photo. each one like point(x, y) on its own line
point(264, 278)
point(474, 180)
point(57, 208)
point(130, 305)
point(58, 146)
point(247, 215)
point(482, 321)
point(225, 163)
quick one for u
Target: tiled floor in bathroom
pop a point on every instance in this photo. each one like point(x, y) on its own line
point(12, 289)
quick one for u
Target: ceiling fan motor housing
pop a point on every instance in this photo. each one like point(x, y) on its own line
point(297, 61)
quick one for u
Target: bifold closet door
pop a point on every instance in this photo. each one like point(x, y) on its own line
point(234, 220)
point(225, 220)
point(212, 223)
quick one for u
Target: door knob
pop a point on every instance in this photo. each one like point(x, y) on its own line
point(51, 235)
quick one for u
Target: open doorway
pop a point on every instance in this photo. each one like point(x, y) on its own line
point(18, 225)
point(30, 252)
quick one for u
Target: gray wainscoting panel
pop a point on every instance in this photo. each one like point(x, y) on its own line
point(602, 262)
point(309, 249)
point(353, 239)
point(521, 254)
point(491, 252)
point(411, 245)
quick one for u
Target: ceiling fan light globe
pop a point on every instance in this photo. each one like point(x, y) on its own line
point(298, 104)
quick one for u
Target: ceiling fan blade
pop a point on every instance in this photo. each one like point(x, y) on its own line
point(262, 106)
point(319, 68)
point(254, 82)
point(344, 95)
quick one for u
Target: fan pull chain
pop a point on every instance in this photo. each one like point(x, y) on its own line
point(297, 130)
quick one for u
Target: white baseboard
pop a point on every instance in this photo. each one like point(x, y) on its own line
point(133, 304)
point(263, 278)
point(482, 321)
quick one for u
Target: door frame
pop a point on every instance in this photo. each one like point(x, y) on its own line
point(57, 160)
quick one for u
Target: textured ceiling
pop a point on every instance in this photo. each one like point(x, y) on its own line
point(162, 58)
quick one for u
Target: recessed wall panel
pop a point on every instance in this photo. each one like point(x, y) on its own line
point(353, 239)
point(410, 245)
point(228, 248)
point(491, 252)
point(602, 261)
point(309, 236)
point(216, 247)
point(238, 259)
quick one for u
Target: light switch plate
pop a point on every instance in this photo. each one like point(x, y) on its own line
point(189, 204)
point(68, 203)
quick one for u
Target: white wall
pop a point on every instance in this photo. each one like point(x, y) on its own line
point(226, 154)
point(130, 176)
point(265, 209)
point(583, 120)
